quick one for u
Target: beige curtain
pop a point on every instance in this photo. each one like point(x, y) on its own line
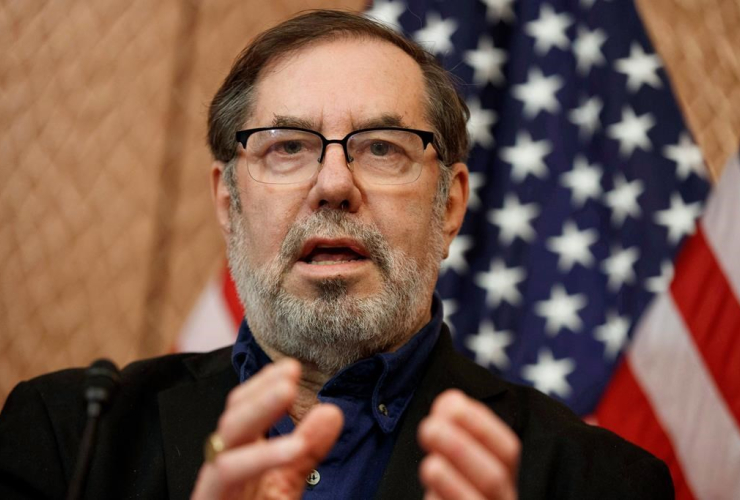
point(107, 234)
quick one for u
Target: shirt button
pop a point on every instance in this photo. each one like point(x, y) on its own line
point(383, 409)
point(313, 477)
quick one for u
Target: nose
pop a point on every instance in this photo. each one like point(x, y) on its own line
point(335, 184)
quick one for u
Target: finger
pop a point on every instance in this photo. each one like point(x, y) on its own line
point(443, 480)
point(208, 486)
point(318, 432)
point(234, 470)
point(429, 495)
point(479, 466)
point(320, 428)
point(482, 424)
point(248, 417)
point(236, 466)
point(264, 379)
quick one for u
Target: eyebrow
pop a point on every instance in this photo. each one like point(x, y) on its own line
point(384, 120)
point(294, 121)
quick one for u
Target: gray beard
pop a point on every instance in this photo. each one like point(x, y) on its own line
point(334, 329)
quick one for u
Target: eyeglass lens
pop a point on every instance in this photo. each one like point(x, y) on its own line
point(285, 156)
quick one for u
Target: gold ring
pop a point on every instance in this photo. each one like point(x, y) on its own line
point(213, 446)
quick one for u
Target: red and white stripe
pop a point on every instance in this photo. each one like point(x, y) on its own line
point(215, 318)
point(677, 392)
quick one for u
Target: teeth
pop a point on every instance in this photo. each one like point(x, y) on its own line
point(330, 262)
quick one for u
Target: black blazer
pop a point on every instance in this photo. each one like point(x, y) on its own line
point(150, 443)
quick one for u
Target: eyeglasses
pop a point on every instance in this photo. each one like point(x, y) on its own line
point(288, 155)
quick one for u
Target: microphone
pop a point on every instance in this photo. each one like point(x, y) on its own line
point(102, 379)
point(101, 383)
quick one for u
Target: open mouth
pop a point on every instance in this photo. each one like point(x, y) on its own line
point(332, 253)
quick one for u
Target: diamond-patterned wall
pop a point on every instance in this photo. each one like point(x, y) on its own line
point(107, 234)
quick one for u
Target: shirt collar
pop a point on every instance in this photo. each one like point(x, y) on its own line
point(388, 379)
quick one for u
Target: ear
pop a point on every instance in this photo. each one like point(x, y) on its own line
point(221, 197)
point(457, 203)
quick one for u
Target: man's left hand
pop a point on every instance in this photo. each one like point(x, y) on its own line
point(472, 454)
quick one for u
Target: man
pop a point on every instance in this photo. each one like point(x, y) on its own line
point(339, 184)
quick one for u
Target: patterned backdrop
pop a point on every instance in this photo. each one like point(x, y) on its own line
point(106, 234)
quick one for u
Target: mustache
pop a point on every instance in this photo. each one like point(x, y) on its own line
point(332, 223)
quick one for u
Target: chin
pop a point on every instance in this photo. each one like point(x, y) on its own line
point(332, 288)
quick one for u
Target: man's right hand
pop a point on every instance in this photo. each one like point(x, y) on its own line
point(252, 467)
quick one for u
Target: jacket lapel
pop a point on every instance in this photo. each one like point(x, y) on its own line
point(446, 370)
point(189, 412)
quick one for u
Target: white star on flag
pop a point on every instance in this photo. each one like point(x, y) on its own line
point(632, 132)
point(584, 181)
point(456, 260)
point(687, 156)
point(476, 180)
point(622, 200)
point(587, 49)
point(480, 123)
point(449, 307)
point(527, 157)
point(679, 218)
point(549, 30)
point(587, 4)
point(489, 346)
point(613, 334)
point(436, 35)
point(486, 62)
point(500, 283)
point(619, 267)
point(514, 219)
point(538, 93)
point(549, 375)
point(640, 68)
point(499, 11)
point(387, 12)
point(586, 116)
point(561, 310)
point(572, 246)
point(660, 283)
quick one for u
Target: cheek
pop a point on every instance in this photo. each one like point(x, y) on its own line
point(406, 222)
point(268, 215)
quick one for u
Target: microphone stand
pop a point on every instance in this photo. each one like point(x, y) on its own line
point(102, 381)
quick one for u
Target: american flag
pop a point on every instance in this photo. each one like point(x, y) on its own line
point(585, 184)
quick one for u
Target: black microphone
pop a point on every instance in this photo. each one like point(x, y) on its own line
point(102, 379)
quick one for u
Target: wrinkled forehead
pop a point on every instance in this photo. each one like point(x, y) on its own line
point(344, 83)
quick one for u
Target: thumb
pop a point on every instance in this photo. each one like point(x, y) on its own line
point(319, 429)
point(318, 432)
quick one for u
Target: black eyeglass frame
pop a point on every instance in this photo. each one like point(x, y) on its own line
point(426, 137)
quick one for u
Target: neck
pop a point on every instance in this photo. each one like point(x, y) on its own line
point(312, 379)
point(309, 385)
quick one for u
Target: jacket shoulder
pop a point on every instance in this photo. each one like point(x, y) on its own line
point(580, 460)
point(562, 456)
point(153, 374)
point(43, 419)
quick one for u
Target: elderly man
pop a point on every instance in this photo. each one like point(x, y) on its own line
point(339, 184)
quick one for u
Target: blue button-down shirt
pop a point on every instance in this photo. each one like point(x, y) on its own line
point(372, 393)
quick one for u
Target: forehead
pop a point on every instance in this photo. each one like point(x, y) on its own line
point(339, 85)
